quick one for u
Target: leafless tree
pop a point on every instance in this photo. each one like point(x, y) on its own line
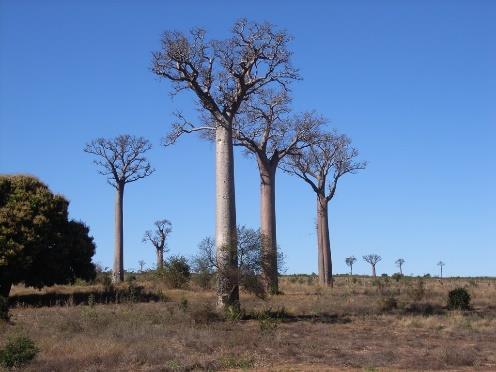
point(350, 261)
point(223, 74)
point(141, 263)
point(321, 165)
point(441, 264)
point(250, 263)
point(372, 259)
point(158, 238)
point(399, 262)
point(122, 161)
point(267, 132)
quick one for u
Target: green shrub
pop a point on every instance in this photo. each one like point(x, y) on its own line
point(176, 272)
point(459, 299)
point(4, 308)
point(17, 352)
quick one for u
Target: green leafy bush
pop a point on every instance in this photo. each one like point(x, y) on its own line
point(459, 299)
point(17, 352)
point(176, 272)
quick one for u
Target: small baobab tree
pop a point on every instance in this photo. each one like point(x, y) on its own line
point(158, 238)
point(321, 164)
point(141, 264)
point(350, 261)
point(441, 264)
point(267, 132)
point(223, 74)
point(122, 161)
point(372, 259)
point(399, 262)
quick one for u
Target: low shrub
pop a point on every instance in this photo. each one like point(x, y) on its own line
point(17, 352)
point(176, 272)
point(388, 303)
point(459, 299)
point(416, 292)
point(397, 276)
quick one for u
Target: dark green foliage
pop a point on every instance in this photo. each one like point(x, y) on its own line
point(459, 299)
point(4, 308)
point(176, 272)
point(38, 244)
point(17, 352)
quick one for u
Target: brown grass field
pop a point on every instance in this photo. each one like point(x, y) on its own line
point(354, 326)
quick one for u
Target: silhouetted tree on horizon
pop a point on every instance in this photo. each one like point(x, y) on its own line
point(158, 238)
point(350, 261)
point(372, 259)
point(399, 262)
point(441, 264)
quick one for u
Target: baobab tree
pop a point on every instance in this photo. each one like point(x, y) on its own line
point(223, 74)
point(142, 264)
point(158, 238)
point(372, 259)
point(350, 261)
point(399, 262)
point(267, 132)
point(321, 165)
point(441, 264)
point(122, 161)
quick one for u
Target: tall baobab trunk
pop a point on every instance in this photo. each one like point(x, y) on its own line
point(160, 259)
point(401, 271)
point(226, 240)
point(373, 271)
point(268, 225)
point(325, 261)
point(118, 268)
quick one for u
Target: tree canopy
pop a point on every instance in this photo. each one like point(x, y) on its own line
point(39, 245)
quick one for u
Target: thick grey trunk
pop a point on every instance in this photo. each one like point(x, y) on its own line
point(373, 271)
point(268, 226)
point(118, 267)
point(160, 259)
point(325, 267)
point(320, 244)
point(225, 235)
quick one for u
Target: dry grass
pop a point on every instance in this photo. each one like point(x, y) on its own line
point(320, 329)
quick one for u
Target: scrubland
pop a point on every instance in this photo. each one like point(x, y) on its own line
point(362, 323)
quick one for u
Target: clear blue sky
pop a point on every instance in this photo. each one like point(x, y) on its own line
point(412, 82)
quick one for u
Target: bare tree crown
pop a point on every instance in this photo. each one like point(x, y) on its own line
point(372, 259)
point(265, 127)
point(223, 73)
point(323, 162)
point(158, 237)
point(350, 260)
point(121, 159)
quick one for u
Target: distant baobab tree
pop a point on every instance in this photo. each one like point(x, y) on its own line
point(399, 262)
point(321, 164)
point(158, 238)
point(350, 261)
point(441, 264)
point(223, 74)
point(122, 161)
point(267, 131)
point(141, 263)
point(372, 259)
